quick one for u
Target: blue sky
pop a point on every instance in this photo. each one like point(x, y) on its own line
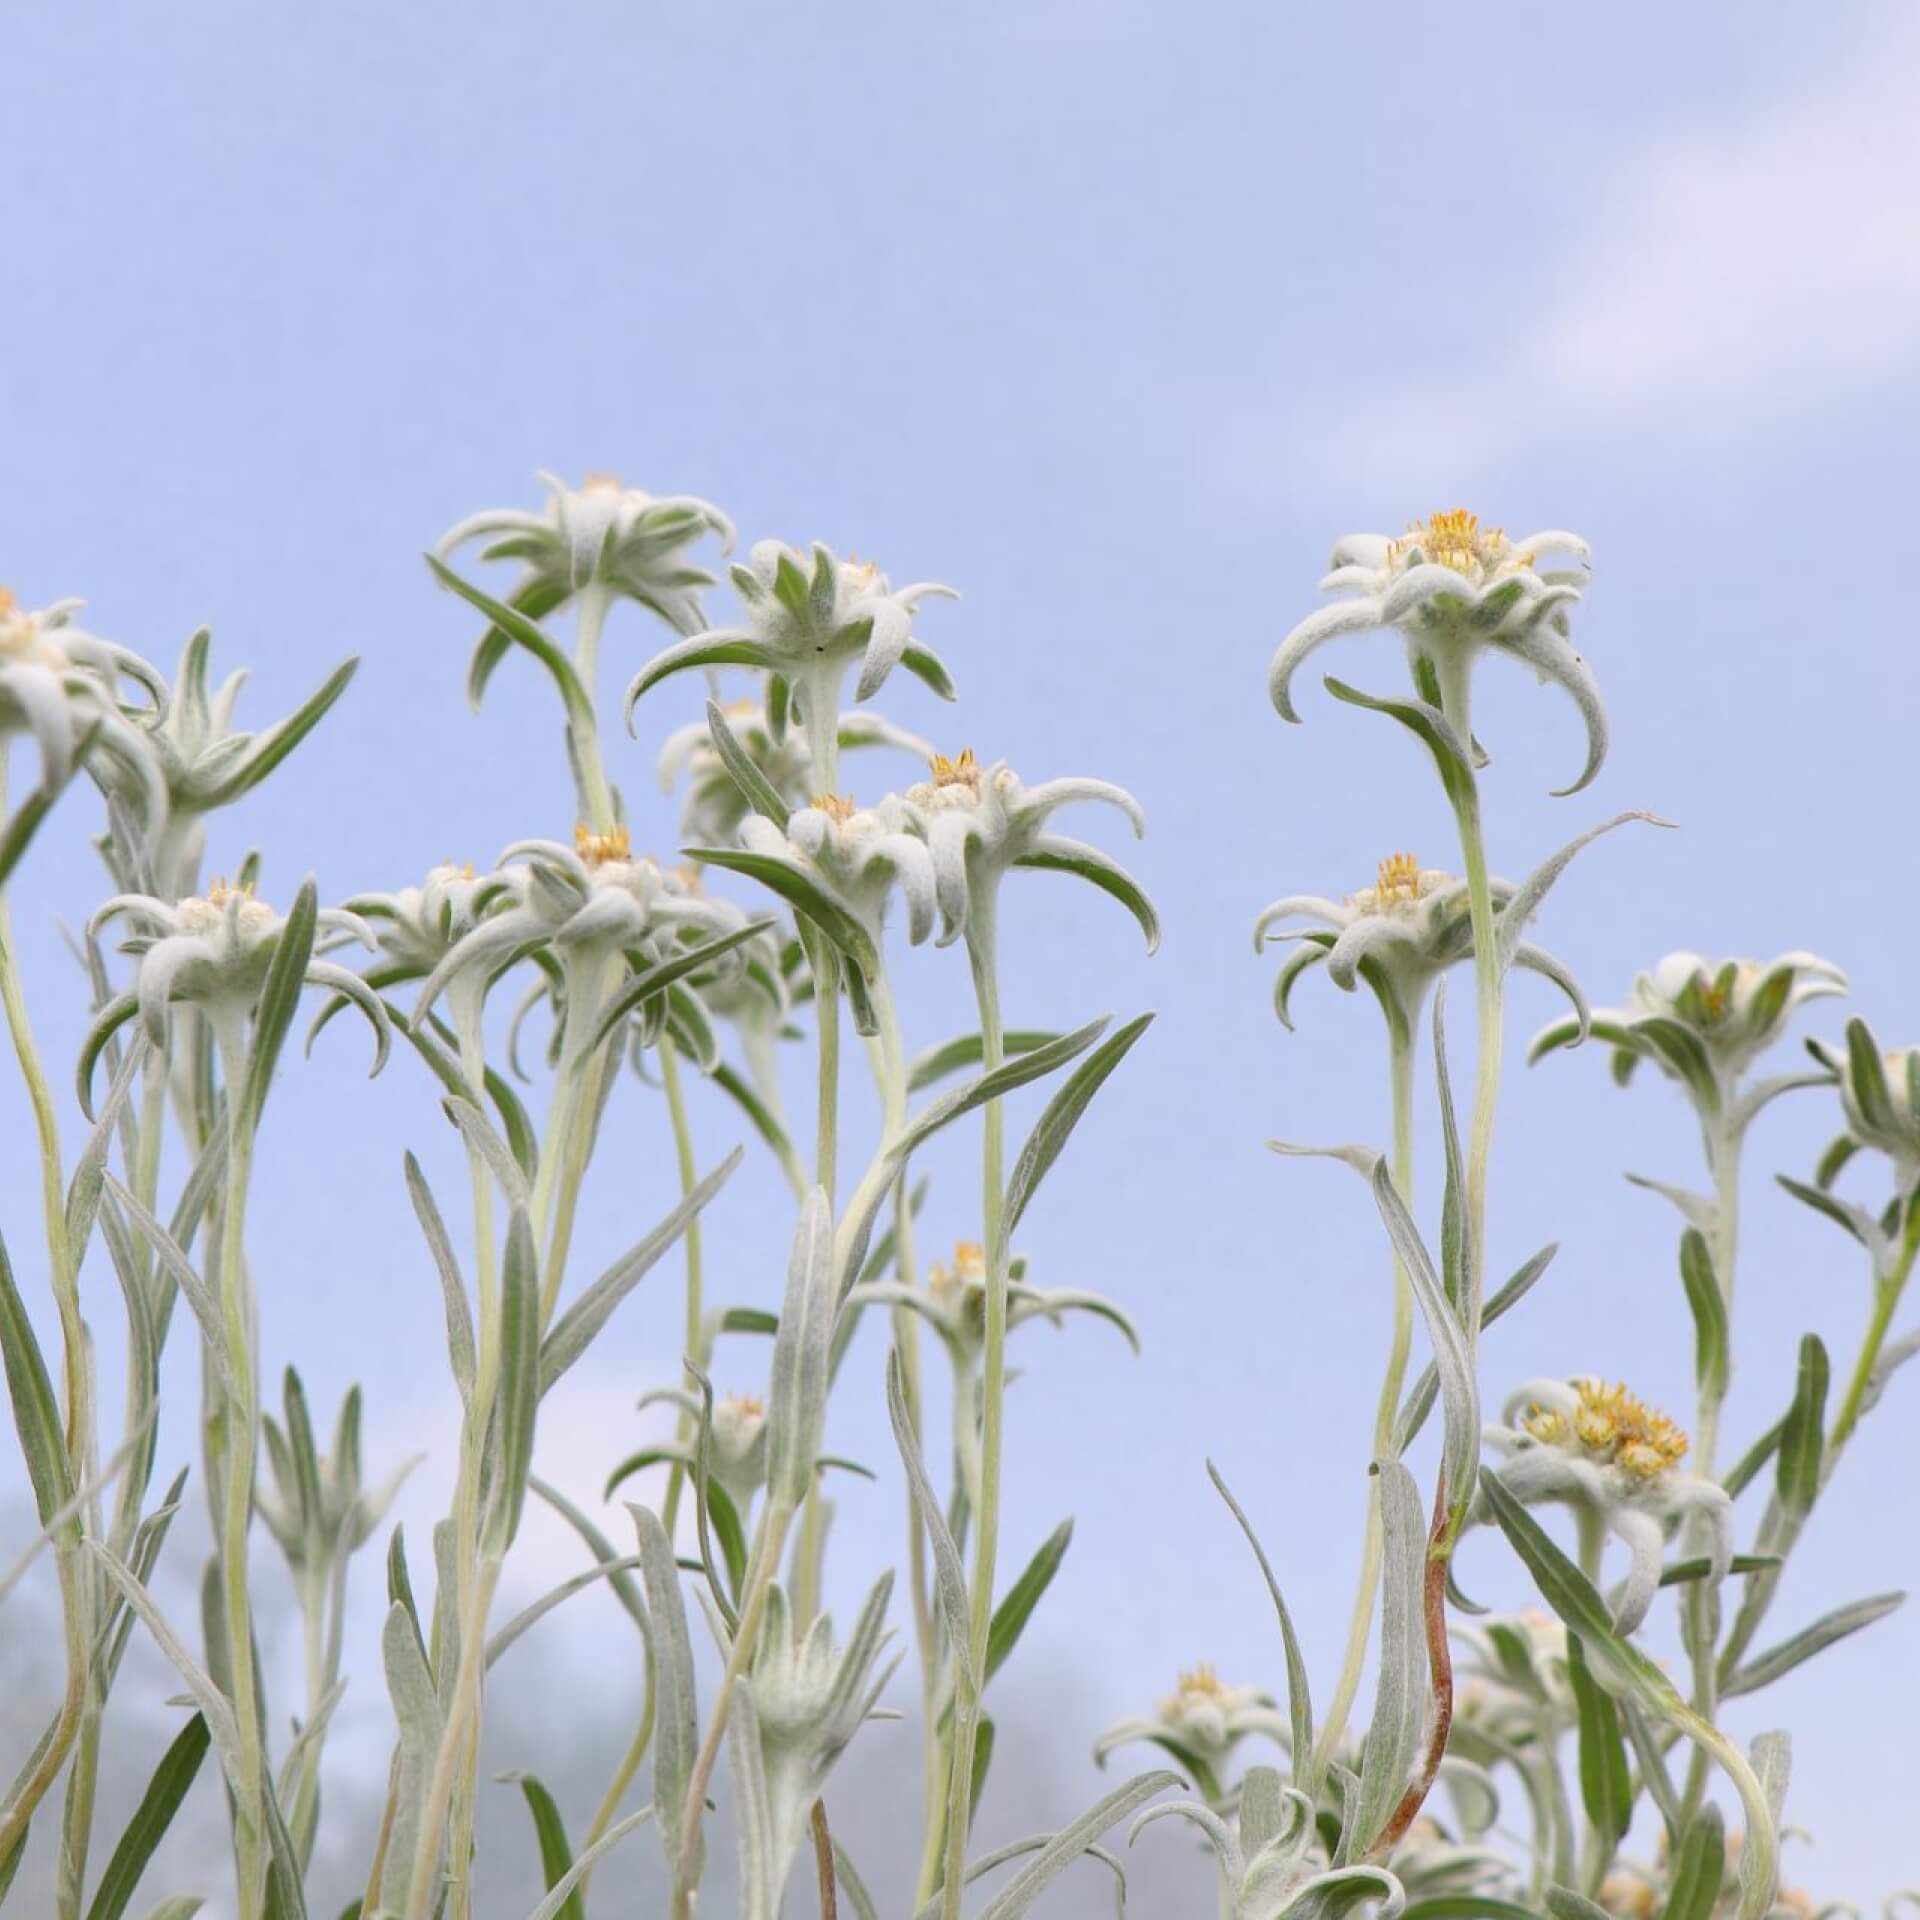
point(1114, 316)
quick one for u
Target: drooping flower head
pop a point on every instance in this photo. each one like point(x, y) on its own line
point(603, 533)
point(1456, 589)
point(1585, 1444)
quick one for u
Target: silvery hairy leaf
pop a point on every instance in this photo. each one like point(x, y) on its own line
point(1071, 1842)
point(519, 1388)
point(453, 1290)
point(571, 1334)
point(531, 1615)
point(949, 1576)
point(676, 1738)
point(798, 1378)
point(480, 1136)
point(182, 1273)
point(36, 1413)
point(1765, 1668)
point(417, 1714)
point(1712, 1362)
point(1802, 1446)
point(554, 1905)
point(1400, 1697)
point(1699, 1868)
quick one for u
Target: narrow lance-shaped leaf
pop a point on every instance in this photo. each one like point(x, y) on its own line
point(798, 1377)
point(949, 1576)
point(1019, 1894)
point(1710, 1356)
point(550, 1833)
point(755, 788)
point(1062, 1115)
point(279, 999)
point(172, 1779)
point(1797, 1473)
point(676, 1738)
point(1400, 1697)
point(519, 1384)
point(1765, 1668)
point(1605, 1787)
point(460, 1344)
point(1016, 1607)
point(36, 1413)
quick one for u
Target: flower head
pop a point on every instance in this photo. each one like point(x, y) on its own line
point(1704, 1022)
point(1455, 589)
point(980, 821)
point(603, 533)
point(1880, 1095)
point(1586, 1444)
point(858, 857)
point(416, 928)
point(809, 618)
point(214, 951)
point(60, 684)
point(1399, 935)
point(799, 1705)
point(1200, 1723)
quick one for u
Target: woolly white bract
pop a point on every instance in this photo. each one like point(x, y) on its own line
point(1554, 1763)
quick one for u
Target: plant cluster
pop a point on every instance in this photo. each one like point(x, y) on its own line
point(778, 926)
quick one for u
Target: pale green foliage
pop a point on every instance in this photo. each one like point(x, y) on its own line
point(1611, 1761)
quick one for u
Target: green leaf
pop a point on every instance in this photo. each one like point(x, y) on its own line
point(271, 746)
point(1564, 1904)
point(554, 1905)
point(1868, 1076)
point(656, 980)
point(926, 667)
point(1699, 1868)
point(676, 1738)
point(949, 1576)
point(967, 1050)
point(556, 1857)
point(519, 1388)
point(1299, 1698)
point(1797, 1472)
point(1765, 1668)
point(36, 1413)
point(172, 1778)
point(460, 1344)
point(1057, 854)
point(1062, 1115)
point(279, 999)
point(1002, 1079)
point(528, 1617)
point(1427, 724)
point(764, 1122)
point(1606, 1789)
point(516, 627)
point(1710, 1356)
point(1400, 1697)
point(1016, 1607)
point(1071, 1842)
point(982, 1759)
point(575, 1329)
point(717, 649)
point(804, 894)
point(757, 790)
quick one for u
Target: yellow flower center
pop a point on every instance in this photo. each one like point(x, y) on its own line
point(597, 849)
point(1613, 1425)
point(969, 1269)
point(858, 575)
point(602, 483)
point(962, 771)
point(1398, 879)
point(838, 807)
point(220, 893)
point(743, 1406)
point(1199, 1683)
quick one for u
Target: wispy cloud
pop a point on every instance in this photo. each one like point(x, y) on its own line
point(1722, 278)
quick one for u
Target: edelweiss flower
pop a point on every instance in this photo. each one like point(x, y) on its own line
point(803, 1702)
point(1272, 1863)
point(1454, 588)
point(602, 532)
point(979, 821)
point(317, 1509)
point(586, 903)
point(736, 1444)
point(856, 855)
point(1704, 1023)
point(59, 684)
point(1399, 935)
point(716, 806)
point(1592, 1446)
point(205, 761)
point(1200, 1723)
point(215, 953)
point(954, 1302)
point(1880, 1093)
point(417, 927)
point(808, 622)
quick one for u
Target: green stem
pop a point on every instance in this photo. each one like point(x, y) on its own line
point(241, 1430)
point(596, 796)
point(826, 1003)
point(1488, 976)
point(982, 953)
point(1887, 1292)
point(1360, 1625)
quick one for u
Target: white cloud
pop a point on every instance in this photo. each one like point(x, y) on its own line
point(1720, 278)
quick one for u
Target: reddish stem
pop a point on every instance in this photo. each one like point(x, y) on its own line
point(1440, 1659)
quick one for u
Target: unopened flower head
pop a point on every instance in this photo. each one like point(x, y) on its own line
point(1880, 1096)
point(809, 618)
point(1202, 1721)
point(603, 533)
point(1585, 1444)
point(1455, 589)
point(415, 928)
